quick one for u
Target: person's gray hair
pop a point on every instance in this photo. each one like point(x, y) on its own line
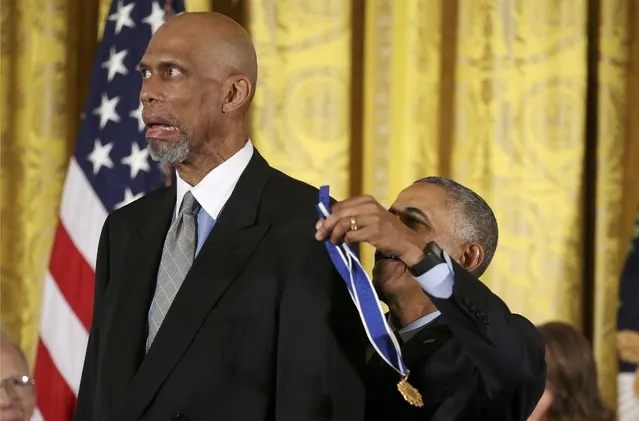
point(475, 221)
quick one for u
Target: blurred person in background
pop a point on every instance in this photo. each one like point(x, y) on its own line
point(572, 391)
point(17, 392)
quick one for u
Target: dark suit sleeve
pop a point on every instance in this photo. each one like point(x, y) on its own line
point(505, 347)
point(86, 406)
point(321, 345)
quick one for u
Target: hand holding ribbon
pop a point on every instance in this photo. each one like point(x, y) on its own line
point(362, 291)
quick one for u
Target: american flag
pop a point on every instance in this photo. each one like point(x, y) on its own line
point(111, 168)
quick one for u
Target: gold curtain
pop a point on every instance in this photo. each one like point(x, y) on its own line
point(493, 94)
point(47, 51)
point(301, 118)
point(617, 182)
point(402, 94)
point(473, 91)
point(46, 59)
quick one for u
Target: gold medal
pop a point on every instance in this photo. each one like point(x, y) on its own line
point(410, 394)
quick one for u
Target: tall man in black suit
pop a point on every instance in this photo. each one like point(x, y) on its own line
point(213, 301)
point(468, 355)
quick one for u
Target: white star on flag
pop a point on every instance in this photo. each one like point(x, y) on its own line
point(122, 16)
point(128, 198)
point(137, 114)
point(138, 160)
point(99, 157)
point(156, 18)
point(115, 63)
point(106, 110)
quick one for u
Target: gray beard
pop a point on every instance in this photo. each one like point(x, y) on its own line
point(171, 153)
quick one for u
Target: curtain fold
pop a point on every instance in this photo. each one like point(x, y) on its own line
point(617, 180)
point(301, 113)
point(519, 141)
point(46, 51)
point(473, 91)
point(402, 95)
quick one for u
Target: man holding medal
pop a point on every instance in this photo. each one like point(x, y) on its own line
point(465, 355)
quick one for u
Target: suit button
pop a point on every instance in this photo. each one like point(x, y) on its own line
point(467, 301)
point(180, 417)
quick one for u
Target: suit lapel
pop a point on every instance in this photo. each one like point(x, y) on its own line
point(125, 339)
point(426, 341)
point(226, 251)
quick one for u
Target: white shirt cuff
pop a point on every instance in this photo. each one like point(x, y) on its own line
point(439, 280)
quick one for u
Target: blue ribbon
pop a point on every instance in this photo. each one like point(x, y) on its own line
point(363, 294)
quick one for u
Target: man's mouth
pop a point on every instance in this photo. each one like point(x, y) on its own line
point(380, 256)
point(161, 131)
point(158, 126)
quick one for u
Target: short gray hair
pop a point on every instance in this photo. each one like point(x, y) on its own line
point(476, 222)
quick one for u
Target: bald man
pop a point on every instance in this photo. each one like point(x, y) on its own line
point(17, 390)
point(213, 301)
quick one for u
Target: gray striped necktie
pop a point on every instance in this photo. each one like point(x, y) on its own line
point(177, 257)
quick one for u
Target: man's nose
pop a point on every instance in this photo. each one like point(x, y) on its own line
point(146, 96)
point(151, 91)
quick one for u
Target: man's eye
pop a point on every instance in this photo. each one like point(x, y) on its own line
point(173, 71)
point(146, 73)
point(411, 222)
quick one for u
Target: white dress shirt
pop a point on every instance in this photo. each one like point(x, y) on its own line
point(213, 191)
point(216, 187)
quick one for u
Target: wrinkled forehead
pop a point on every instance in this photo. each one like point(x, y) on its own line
point(201, 51)
point(167, 44)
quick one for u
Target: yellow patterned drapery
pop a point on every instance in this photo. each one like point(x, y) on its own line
point(301, 118)
point(493, 94)
point(617, 183)
point(504, 115)
point(46, 52)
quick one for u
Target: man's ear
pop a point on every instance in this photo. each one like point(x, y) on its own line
point(237, 93)
point(472, 257)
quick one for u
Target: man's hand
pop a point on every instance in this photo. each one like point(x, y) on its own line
point(363, 219)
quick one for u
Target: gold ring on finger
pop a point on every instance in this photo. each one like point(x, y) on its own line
point(354, 226)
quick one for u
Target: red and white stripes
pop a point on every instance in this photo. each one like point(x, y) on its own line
point(67, 302)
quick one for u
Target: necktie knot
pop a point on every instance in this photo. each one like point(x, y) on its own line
point(189, 204)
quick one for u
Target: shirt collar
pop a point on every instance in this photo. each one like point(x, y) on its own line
point(216, 187)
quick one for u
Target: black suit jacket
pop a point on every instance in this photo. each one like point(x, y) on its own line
point(477, 361)
point(261, 329)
